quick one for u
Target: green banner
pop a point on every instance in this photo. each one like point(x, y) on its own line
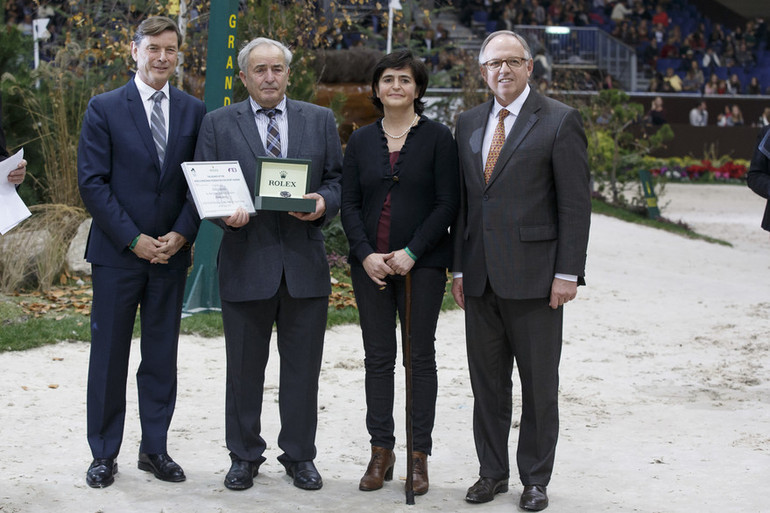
point(202, 289)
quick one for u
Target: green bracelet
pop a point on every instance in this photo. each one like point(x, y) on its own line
point(133, 243)
point(411, 255)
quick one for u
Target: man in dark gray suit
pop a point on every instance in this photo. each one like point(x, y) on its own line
point(520, 250)
point(273, 267)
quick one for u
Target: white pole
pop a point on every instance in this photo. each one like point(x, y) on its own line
point(39, 27)
point(392, 6)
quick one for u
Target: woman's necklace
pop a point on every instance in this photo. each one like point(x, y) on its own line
point(402, 134)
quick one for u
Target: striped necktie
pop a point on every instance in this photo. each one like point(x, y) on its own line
point(158, 126)
point(273, 143)
point(498, 139)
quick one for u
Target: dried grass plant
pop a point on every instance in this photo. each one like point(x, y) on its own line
point(33, 254)
point(56, 112)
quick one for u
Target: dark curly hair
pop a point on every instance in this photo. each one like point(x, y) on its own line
point(401, 59)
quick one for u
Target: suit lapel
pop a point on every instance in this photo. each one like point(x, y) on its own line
point(527, 118)
point(174, 124)
point(296, 128)
point(139, 116)
point(476, 142)
point(248, 127)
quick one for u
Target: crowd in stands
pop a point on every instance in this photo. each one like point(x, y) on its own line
point(716, 61)
point(681, 50)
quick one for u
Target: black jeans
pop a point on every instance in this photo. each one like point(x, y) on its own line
point(377, 310)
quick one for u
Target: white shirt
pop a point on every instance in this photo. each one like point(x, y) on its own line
point(513, 108)
point(146, 92)
point(698, 117)
point(262, 122)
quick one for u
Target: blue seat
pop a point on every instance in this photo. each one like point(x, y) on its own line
point(480, 17)
point(721, 72)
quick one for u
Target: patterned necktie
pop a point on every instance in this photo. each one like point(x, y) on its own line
point(158, 126)
point(273, 143)
point(498, 139)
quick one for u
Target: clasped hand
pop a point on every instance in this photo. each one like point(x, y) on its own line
point(160, 250)
point(380, 265)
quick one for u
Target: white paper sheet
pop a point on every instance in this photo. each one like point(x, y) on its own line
point(12, 208)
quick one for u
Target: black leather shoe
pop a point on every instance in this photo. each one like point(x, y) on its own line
point(305, 474)
point(484, 490)
point(101, 473)
point(162, 466)
point(533, 498)
point(241, 474)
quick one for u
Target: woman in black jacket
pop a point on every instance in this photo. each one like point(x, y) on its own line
point(400, 194)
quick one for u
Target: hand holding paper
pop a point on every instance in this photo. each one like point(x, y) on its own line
point(12, 208)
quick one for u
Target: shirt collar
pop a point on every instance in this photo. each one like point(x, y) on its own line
point(255, 107)
point(514, 107)
point(146, 92)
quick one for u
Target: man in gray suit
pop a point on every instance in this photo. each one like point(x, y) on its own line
point(273, 267)
point(520, 249)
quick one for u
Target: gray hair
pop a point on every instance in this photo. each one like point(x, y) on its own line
point(490, 37)
point(243, 55)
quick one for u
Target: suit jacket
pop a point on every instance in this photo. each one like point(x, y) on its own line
point(532, 219)
point(759, 172)
point(424, 188)
point(121, 180)
point(253, 258)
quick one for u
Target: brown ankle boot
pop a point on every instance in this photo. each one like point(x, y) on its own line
point(420, 473)
point(380, 469)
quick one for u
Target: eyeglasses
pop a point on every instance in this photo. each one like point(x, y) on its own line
point(512, 62)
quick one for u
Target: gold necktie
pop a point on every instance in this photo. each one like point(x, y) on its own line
point(498, 139)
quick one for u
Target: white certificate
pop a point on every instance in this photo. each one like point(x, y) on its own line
point(218, 188)
point(12, 208)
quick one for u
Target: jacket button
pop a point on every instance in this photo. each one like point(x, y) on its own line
point(395, 178)
point(486, 197)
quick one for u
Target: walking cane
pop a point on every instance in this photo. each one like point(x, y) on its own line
point(407, 349)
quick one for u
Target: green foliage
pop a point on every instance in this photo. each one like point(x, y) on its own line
point(336, 241)
point(204, 324)
point(15, 50)
point(23, 334)
point(55, 112)
point(617, 141)
point(9, 311)
point(337, 104)
point(295, 24)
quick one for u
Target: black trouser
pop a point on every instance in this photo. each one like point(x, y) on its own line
point(248, 325)
point(377, 309)
point(498, 332)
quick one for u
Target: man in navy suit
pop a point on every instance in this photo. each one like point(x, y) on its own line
point(273, 267)
point(520, 243)
point(132, 143)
